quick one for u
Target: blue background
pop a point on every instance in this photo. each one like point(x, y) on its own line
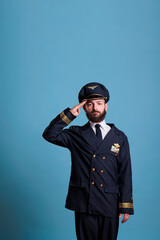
point(49, 50)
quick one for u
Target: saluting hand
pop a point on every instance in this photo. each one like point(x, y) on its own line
point(76, 109)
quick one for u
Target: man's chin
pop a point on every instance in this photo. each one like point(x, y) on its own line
point(96, 119)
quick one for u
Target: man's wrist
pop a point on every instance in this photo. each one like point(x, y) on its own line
point(67, 116)
point(73, 116)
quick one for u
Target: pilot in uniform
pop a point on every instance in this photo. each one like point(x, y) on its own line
point(100, 186)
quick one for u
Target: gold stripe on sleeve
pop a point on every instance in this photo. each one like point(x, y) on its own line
point(125, 205)
point(65, 118)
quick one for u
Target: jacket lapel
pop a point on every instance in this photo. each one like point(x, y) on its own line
point(109, 139)
point(89, 135)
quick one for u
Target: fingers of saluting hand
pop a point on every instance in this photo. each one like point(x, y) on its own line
point(81, 104)
point(76, 109)
point(125, 218)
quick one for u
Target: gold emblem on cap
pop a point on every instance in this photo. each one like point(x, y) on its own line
point(93, 87)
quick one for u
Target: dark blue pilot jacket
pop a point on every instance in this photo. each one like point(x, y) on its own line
point(101, 175)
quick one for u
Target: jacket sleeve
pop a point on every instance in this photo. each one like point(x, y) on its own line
point(55, 134)
point(125, 180)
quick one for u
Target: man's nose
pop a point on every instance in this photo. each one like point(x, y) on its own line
point(95, 107)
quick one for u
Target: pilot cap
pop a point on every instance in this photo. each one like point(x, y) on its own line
point(93, 90)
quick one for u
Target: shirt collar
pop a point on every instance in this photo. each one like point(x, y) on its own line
point(102, 124)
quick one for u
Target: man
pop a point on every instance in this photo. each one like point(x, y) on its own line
point(100, 187)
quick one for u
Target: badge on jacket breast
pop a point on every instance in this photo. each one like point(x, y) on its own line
point(115, 148)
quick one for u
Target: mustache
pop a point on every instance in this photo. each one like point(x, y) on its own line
point(95, 111)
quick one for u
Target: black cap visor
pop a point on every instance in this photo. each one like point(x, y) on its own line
point(94, 97)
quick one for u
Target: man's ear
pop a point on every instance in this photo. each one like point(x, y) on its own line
point(106, 106)
point(84, 107)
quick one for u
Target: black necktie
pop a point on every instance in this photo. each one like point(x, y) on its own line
point(98, 132)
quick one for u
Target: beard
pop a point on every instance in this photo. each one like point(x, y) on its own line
point(93, 118)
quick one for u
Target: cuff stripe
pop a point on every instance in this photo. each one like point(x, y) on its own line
point(125, 205)
point(65, 118)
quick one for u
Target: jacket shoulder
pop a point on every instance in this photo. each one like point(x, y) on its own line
point(120, 132)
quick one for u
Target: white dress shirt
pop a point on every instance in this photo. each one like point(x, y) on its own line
point(103, 126)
